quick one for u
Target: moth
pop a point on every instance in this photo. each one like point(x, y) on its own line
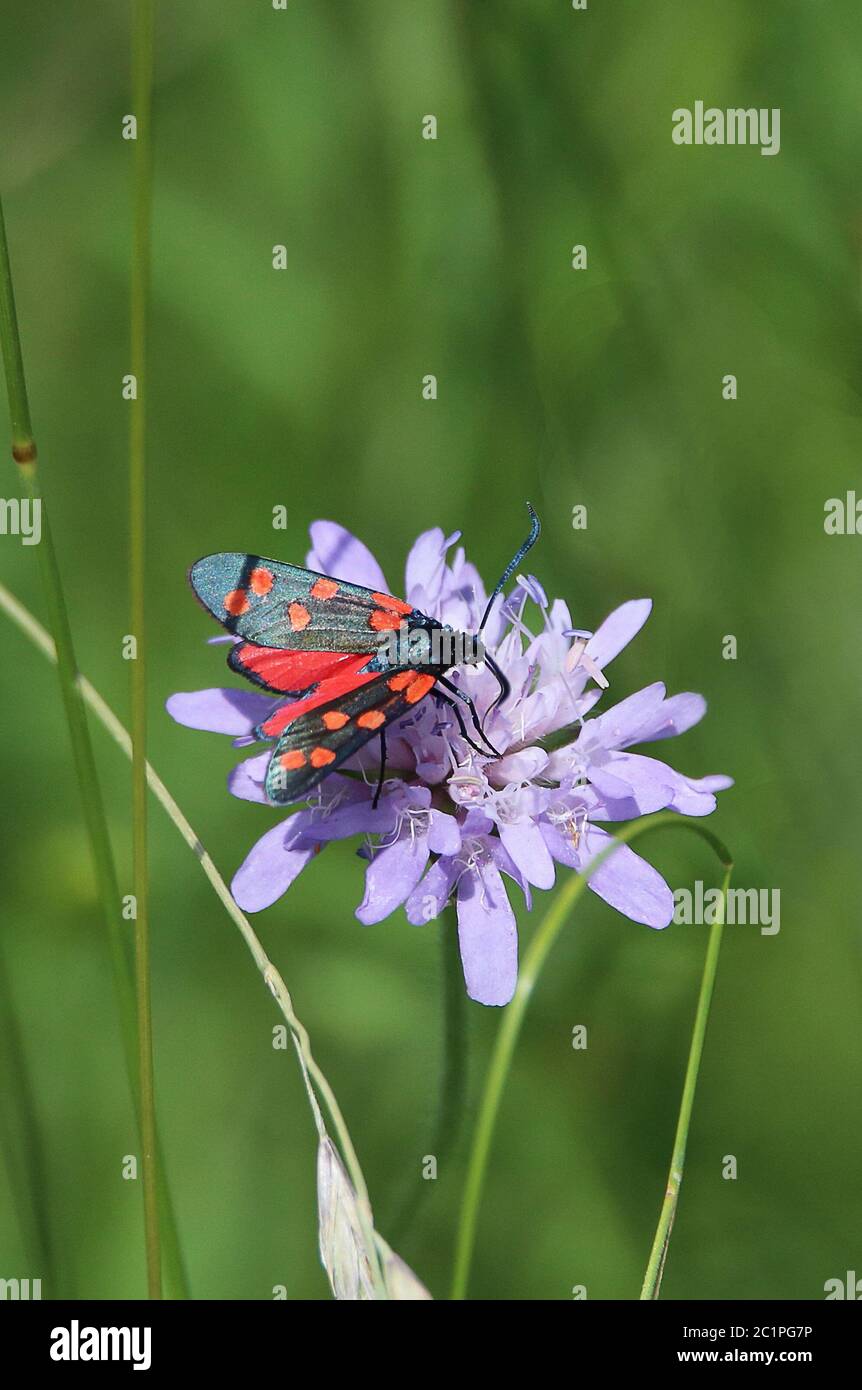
point(348, 661)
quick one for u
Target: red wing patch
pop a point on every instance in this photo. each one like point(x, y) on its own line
point(343, 678)
point(285, 672)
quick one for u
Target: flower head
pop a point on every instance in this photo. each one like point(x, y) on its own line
point(456, 823)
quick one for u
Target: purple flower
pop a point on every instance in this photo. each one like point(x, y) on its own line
point(452, 822)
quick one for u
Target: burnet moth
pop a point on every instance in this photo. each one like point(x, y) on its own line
point(348, 661)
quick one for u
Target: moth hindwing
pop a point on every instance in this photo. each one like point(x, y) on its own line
point(320, 739)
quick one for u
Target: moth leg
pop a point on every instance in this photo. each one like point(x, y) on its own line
point(382, 776)
point(474, 715)
point(505, 688)
point(460, 718)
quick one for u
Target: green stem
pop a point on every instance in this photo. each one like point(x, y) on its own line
point(510, 1027)
point(453, 1077)
point(25, 455)
point(142, 82)
point(453, 1084)
point(26, 1164)
point(658, 1254)
point(311, 1072)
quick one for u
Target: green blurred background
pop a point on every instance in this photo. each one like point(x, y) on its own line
point(303, 388)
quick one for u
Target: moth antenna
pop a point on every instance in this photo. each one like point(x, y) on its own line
point(513, 564)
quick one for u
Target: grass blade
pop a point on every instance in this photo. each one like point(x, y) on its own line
point(658, 1254)
point(142, 84)
point(25, 454)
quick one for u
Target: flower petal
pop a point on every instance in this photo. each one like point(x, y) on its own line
point(555, 705)
point(618, 629)
point(506, 864)
point(609, 787)
point(444, 834)
point(487, 936)
point(273, 863)
point(357, 817)
point(528, 851)
point(334, 551)
point(651, 786)
point(463, 596)
point(247, 778)
point(430, 896)
point(628, 883)
point(623, 722)
point(689, 801)
point(677, 714)
point(522, 766)
point(714, 782)
point(476, 823)
point(426, 565)
point(392, 875)
point(220, 711)
point(561, 846)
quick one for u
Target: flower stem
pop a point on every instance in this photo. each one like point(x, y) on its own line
point(453, 1084)
point(142, 85)
point(498, 1071)
point(453, 1076)
point(510, 1027)
point(25, 455)
point(658, 1254)
point(25, 1159)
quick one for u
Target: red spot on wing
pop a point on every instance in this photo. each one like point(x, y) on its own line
point(292, 760)
point(418, 689)
point(324, 589)
point(371, 719)
point(383, 621)
point(394, 605)
point(236, 602)
point(260, 581)
point(401, 680)
point(415, 687)
point(335, 719)
point(321, 757)
point(299, 616)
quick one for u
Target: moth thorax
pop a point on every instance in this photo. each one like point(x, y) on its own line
point(460, 648)
point(419, 647)
point(433, 646)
